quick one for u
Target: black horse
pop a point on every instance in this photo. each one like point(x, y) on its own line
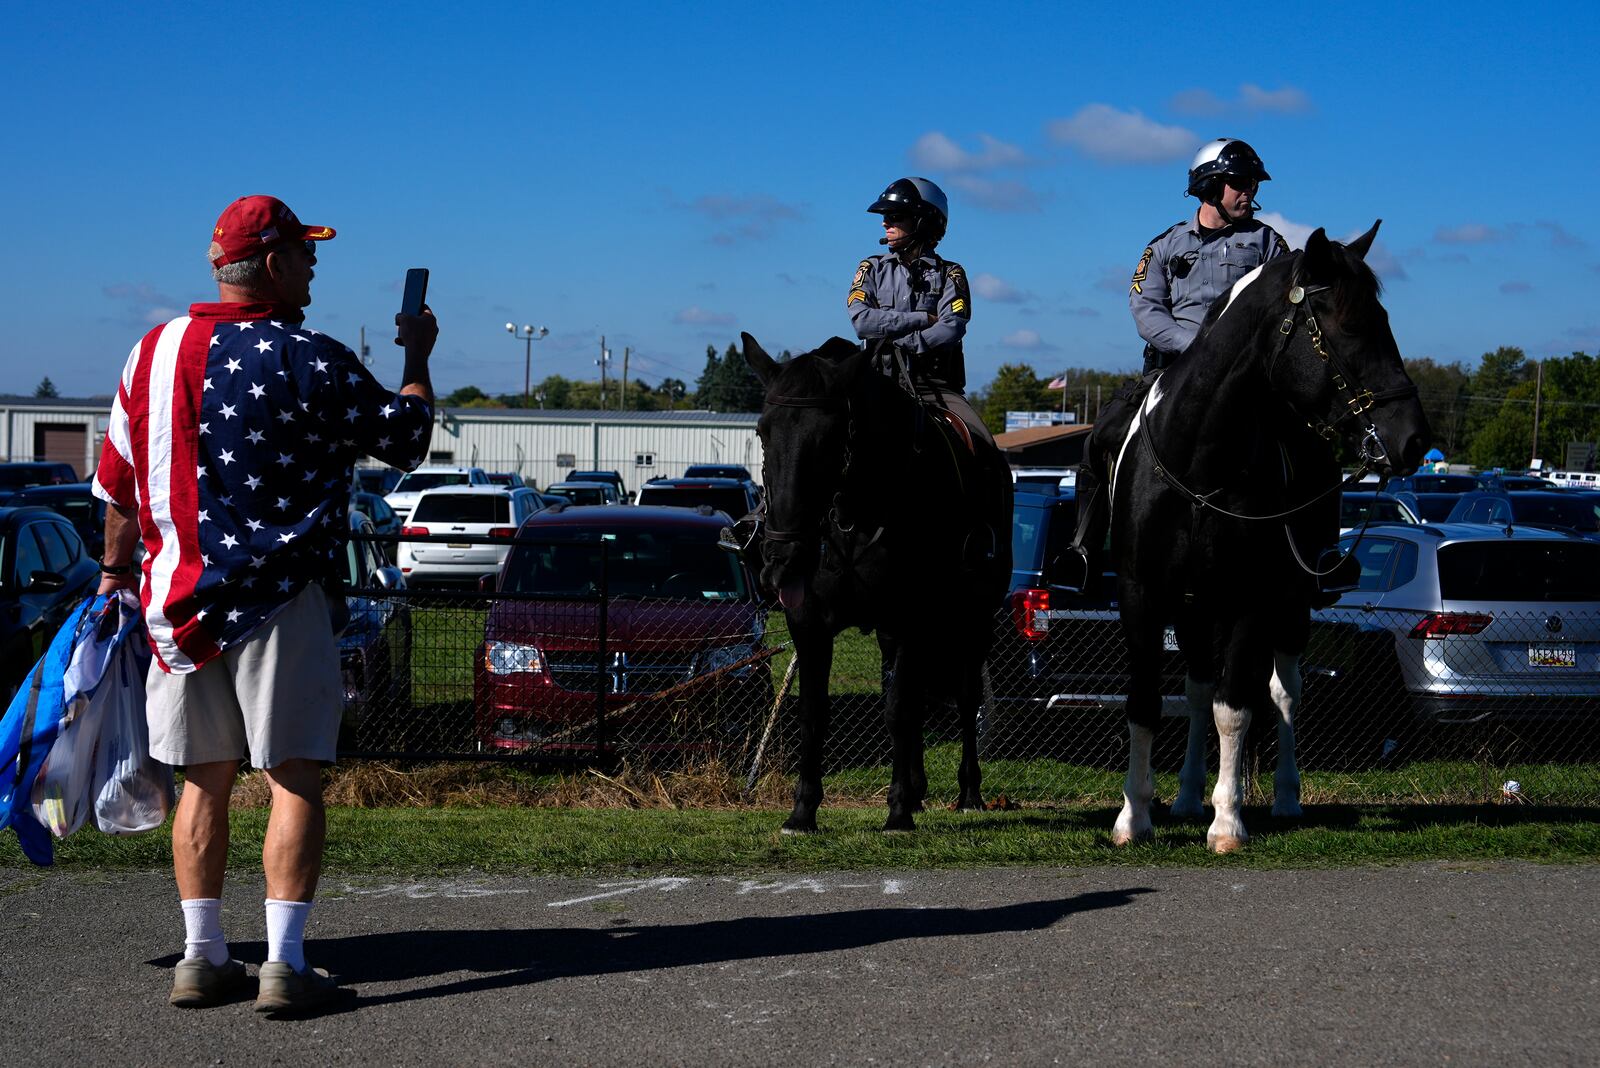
point(1229, 452)
point(866, 526)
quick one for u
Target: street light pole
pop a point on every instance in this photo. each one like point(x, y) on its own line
point(528, 334)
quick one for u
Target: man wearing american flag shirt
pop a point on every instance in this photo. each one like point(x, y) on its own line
point(229, 454)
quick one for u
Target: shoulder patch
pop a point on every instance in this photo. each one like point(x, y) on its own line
point(1141, 272)
point(861, 274)
point(1280, 244)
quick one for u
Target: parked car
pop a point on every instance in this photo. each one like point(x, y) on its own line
point(1358, 506)
point(685, 653)
point(1588, 480)
point(374, 648)
point(384, 519)
point(378, 480)
point(1060, 477)
point(431, 476)
point(738, 471)
point(1556, 509)
point(1442, 482)
point(22, 474)
point(731, 496)
point(45, 572)
point(610, 478)
point(475, 513)
point(77, 502)
point(1467, 622)
point(506, 478)
point(584, 492)
point(1496, 481)
point(1427, 507)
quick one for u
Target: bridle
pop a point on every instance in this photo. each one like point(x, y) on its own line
point(1357, 403)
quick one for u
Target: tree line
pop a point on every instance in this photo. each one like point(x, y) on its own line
point(1483, 415)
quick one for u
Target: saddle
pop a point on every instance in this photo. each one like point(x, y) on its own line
point(957, 425)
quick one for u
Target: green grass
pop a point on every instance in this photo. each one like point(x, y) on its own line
point(556, 841)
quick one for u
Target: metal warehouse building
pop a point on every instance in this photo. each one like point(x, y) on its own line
point(542, 446)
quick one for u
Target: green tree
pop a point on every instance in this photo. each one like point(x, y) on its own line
point(464, 396)
point(1016, 387)
point(45, 388)
point(672, 391)
point(1443, 389)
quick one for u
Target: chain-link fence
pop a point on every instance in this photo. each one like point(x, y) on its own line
point(1397, 704)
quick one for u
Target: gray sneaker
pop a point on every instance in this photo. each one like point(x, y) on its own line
point(199, 984)
point(284, 990)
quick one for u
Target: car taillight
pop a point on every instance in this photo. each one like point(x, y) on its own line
point(502, 532)
point(417, 532)
point(1025, 608)
point(1438, 624)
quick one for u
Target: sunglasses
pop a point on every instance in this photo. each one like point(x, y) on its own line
point(897, 220)
point(311, 248)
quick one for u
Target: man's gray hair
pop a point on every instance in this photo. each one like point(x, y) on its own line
point(246, 274)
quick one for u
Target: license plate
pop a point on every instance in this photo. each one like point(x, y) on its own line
point(459, 544)
point(1552, 656)
point(1169, 640)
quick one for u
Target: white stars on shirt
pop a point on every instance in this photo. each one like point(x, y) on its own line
point(320, 364)
point(233, 615)
point(264, 346)
point(215, 341)
point(352, 378)
point(232, 365)
point(256, 437)
point(203, 517)
point(226, 456)
point(205, 428)
point(205, 385)
point(383, 443)
point(229, 541)
point(257, 561)
point(245, 326)
point(257, 390)
point(253, 482)
point(386, 411)
point(284, 459)
point(351, 414)
point(229, 411)
point(286, 537)
point(283, 585)
point(286, 416)
point(253, 524)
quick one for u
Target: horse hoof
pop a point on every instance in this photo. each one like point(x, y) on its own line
point(1224, 843)
point(899, 823)
point(971, 806)
point(1184, 809)
point(1127, 838)
point(1288, 810)
point(793, 827)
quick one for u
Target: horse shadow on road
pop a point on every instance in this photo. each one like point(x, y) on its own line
point(511, 958)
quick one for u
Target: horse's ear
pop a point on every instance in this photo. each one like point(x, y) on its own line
point(1363, 244)
point(763, 365)
point(837, 349)
point(1317, 260)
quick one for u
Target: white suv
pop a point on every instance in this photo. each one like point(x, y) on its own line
point(473, 512)
point(431, 476)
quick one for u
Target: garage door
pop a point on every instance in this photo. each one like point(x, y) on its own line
point(60, 443)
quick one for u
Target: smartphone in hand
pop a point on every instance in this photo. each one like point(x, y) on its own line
point(416, 294)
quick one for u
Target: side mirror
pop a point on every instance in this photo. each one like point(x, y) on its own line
point(46, 582)
point(389, 578)
point(486, 583)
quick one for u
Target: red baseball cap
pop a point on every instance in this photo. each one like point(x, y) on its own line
point(254, 224)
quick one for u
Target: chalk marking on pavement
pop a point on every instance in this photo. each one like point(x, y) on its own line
point(665, 883)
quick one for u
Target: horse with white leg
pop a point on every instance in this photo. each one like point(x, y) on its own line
point(1222, 493)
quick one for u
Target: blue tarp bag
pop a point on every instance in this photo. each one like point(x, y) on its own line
point(28, 730)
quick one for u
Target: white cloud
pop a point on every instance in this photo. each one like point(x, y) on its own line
point(1102, 132)
point(1468, 234)
point(997, 290)
point(998, 194)
point(1027, 340)
point(1285, 101)
point(937, 152)
point(698, 316)
point(1293, 232)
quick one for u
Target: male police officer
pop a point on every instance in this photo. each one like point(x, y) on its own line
point(1182, 271)
point(912, 302)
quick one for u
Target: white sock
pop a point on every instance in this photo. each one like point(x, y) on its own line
point(202, 925)
point(286, 932)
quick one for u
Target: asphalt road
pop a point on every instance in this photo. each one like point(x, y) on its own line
point(1493, 964)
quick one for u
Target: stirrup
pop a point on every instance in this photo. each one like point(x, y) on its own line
point(1072, 570)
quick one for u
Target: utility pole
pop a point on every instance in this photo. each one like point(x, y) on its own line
point(365, 351)
point(624, 405)
point(605, 357)
point(1538, 391)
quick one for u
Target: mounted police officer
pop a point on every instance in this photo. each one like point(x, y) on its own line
point(912, 305)
point(1182, 271)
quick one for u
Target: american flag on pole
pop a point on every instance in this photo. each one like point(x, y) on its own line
point(234, 435)
point(1059, 382)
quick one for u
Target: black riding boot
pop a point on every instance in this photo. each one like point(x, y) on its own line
point(1080, 565)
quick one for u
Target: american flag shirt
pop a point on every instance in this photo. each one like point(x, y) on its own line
point(234, 435)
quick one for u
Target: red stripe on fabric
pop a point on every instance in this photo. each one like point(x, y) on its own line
point(115, 471)
point(137, 405)
point(187, 384)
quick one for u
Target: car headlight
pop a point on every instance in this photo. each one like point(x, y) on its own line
point(507, 658)
point(724, 656)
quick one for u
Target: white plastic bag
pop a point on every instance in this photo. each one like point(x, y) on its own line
point(63, 794)
point(133, 792)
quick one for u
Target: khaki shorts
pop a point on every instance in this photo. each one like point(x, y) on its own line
point(277, 696)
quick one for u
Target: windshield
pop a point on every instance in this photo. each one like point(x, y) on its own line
point(1569, 513)
point(1443, 483)
point(1520, 571)
point(463, 508)
point(1436, 507)
point(422, 480)
point(595, 494)
point(1353, 510)
point(685, 565)
point(728, 500)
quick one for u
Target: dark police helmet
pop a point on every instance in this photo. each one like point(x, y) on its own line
point(923, 201)
point(1224, 158)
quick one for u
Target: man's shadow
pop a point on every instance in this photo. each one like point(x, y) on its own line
point(510, 958)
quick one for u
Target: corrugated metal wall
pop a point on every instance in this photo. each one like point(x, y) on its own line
point(21, 425)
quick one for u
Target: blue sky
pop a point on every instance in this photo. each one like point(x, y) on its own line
point(670, 176)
